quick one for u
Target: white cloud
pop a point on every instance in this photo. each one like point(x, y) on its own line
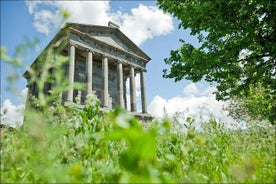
point(47, 14)
point(13, 115)
point(157, 106)
point(31, 6)
point(88, 12)
point(142, 23)
point(201, 108)
point(43, 20)
point(190, 90)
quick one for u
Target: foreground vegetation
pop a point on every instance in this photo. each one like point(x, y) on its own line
point(66, 144)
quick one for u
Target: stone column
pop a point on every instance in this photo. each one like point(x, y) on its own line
point(105, 80)
point(28, 97)
point(120, 84)
point(132, 88)
point(89, 71)
point(125, 91)
point(71, 71)
point(143, 91)
point(32, 89)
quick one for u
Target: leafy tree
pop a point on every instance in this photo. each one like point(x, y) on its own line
point(237, 50)
point(257, 105)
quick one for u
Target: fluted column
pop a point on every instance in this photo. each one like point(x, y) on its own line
point(133, 107)
point(120, 84)
point(71, 72)
point(105, 80)
point(143, 91)
point(89, 70)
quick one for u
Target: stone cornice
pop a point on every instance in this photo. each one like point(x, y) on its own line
point(107, 53)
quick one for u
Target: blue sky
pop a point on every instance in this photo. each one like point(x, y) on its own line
point(20, 19)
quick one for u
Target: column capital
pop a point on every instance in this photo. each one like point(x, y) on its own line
point(132, 66)
point(143, 70)
point(105, 56)
point(119, 62)
point(71, 43)
point(90, 50)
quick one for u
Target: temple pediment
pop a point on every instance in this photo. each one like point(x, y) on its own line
point(111, 36)
point(112, 40)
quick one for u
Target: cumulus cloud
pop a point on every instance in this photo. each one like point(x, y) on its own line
point(191, 90)
point(43, 20)
point(144, 22)
point(140, 24)
point(47, 14)
point(12, 115)
point(201, 105)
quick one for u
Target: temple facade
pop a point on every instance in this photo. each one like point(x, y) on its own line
point(101, 58)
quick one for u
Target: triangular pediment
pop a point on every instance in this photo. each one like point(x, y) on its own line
point(110, 36)
point(113, 40)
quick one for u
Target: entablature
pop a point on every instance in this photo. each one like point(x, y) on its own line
point(108, 51)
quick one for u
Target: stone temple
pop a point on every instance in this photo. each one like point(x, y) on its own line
point(102, 58)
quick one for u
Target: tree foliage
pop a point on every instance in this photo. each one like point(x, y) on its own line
point(256, 106)
point(237, 50)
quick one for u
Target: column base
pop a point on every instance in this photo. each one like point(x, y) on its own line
point(93, 95)
point(68, 103)
point(109, 102)
point(142, 116)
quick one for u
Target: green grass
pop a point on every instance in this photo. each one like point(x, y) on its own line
point(69, 145)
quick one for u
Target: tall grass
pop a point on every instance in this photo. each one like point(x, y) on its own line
point(78, 146)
